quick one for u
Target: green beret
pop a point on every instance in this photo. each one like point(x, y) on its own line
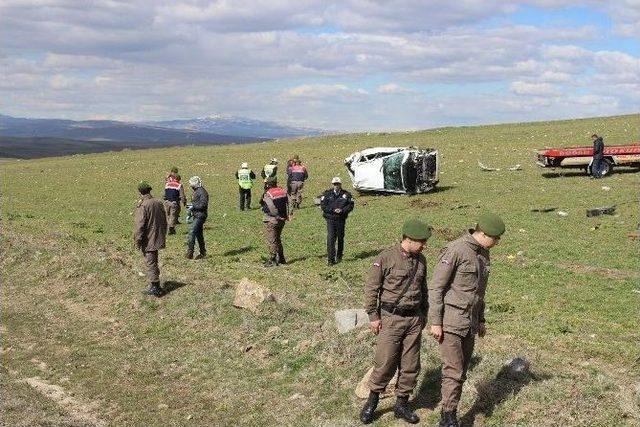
point(143, 185)
point(174, 169)
point(491, 225)
point(415, 229)
point(272, 180)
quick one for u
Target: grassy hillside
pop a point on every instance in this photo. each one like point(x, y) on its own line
point(81, 345)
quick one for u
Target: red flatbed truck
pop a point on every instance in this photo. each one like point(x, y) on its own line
point(581, 157)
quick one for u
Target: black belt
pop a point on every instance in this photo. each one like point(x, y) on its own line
point(404, 312)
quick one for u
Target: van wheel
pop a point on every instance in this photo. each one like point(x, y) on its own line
point(606, 167)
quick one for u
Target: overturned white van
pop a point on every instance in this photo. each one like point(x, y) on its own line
point(401, 170)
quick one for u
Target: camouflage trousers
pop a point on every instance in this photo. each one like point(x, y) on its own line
point(455, 352)
point(295, 195)
point(172, 209)
point(153, 271)
point(398, 348)
point(273, 233)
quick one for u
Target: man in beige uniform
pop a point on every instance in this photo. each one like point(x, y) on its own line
point(396, 301)
point(149, 234)
point(456, 306)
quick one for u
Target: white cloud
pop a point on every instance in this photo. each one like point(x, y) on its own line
point(310, 62)
point(393, 88)
point(534, 89)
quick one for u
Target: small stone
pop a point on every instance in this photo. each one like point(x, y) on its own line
point(349, 319)
point(296, 396)
point(250, 295)
point(520, 253)
point(518, 365)
point(163, 406)
point(141, 274)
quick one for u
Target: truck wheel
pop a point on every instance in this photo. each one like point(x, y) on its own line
point(606, 167)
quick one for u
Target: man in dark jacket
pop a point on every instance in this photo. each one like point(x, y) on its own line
point(336, 205)
point(199, 207)
point(149, 234)
point(298, 174)
point(275, 205)
point(173, 196)
point(598, 156)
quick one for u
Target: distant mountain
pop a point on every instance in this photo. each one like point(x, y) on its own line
point(238, 126)
point(108, 130)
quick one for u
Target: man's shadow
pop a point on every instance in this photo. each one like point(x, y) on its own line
point(366, 254)
point(171, 285)
point(507, 383)
point(239, 251)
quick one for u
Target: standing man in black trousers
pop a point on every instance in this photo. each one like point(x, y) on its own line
point(598, 156)
point(199, 209)
point(336, 205)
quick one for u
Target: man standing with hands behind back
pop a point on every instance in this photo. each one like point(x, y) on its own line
point(396, 302)
point(456, 306)
point(336, 205)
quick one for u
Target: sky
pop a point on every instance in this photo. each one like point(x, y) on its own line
point(348, 65)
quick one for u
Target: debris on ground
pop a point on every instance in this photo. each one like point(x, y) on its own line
point(518, 365)
point(634, 236)
point(487, 168)
point(296, 396)
point(317, 201)
point(517, 167)
point(604, 210)
point(349, 319)
point(362, 390)
point(606, 188)
point(459, 207)
point(250, 295)
point(563, 213)
point(543, 210)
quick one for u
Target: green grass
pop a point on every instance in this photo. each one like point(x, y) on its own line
point(73, 315)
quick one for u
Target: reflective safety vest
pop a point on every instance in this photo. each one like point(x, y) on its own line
point(244, 179)
point(268, 170)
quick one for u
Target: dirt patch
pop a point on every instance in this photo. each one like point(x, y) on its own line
point(609, 273)
point(423, 204)
point(80, 411)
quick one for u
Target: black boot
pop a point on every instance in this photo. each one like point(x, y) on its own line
point(280, 258)
point(189, 255)
point(448, 419)
point(403, 411)
point(172, 230)
point(201, 255)
point(369, 409)
point(154, 290)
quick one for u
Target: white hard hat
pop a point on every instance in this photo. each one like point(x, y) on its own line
point(336, 180)
point(244, 165)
